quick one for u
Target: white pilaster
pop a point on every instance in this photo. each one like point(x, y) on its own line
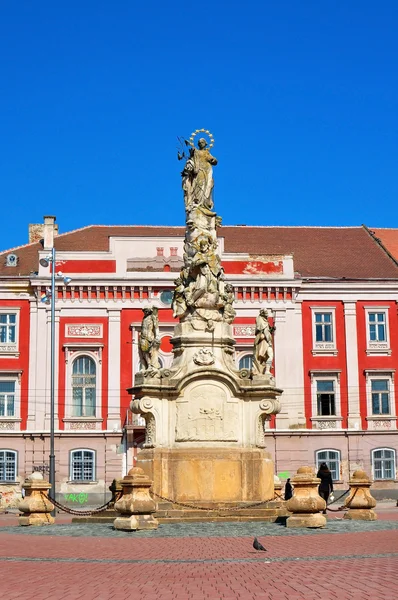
point(350, 318)
point(32, 383)
point(47, 379)
point(113, 417)
point(289, 368)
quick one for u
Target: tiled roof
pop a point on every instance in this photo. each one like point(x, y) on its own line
point(389, 239)
point(335, 252)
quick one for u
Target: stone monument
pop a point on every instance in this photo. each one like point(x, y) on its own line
point(204, 417)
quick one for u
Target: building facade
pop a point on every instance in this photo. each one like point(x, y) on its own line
point(333, 296)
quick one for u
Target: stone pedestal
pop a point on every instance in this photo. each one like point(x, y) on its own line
point(360, 502)
point(136, 505)
point(205, 440)
point(36, 506)
point(306, 502)
point(116, 490)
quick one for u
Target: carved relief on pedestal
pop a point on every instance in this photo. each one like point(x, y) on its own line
point(206, 415)
point(204, 356)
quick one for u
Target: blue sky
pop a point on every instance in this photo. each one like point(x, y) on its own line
point(301, 97)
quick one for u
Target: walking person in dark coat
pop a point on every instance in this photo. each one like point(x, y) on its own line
point(288, 490)
point(326, 486)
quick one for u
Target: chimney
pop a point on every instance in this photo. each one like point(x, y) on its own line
point(159, 251)
point(40, 231)
point(173, 251)
point(50, 230)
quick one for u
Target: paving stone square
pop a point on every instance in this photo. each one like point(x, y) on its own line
point(346, 560)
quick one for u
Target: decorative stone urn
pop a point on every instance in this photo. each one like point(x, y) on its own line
point(306, 503)
point(136, 505)
point(36, 506)
point(360, 502)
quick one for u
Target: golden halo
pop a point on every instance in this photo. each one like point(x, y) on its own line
point(195, 133)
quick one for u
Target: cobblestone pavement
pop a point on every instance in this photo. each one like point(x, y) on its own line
point(346, 560)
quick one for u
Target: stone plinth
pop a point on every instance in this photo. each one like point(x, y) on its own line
point(306, 502)
point(136, 505)
point(209, 475)
point(36, 506)
point(278, 487)
point(360, 502)
point(116, 490)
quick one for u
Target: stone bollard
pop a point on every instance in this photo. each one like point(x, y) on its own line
point(36, 506)
point(306, 502)
point(136, 505)
point(278, 486)
point(360, 502)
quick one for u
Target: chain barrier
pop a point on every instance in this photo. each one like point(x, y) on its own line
point(82, 513)
point(339, 498)
point(216, 510)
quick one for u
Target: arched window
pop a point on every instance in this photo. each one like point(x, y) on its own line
point(383, 461)
point(82, 465)
point(8, 465)
point(84, 382)
point(246, 362)
point(332, 459)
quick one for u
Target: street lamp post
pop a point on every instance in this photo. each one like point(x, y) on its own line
point(49, 298)
point(52, 376)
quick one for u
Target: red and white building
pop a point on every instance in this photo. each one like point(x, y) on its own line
point(333, 293)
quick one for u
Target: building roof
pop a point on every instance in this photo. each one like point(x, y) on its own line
point(389, 239)
point(327, 252)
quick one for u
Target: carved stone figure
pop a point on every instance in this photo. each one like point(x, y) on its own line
point(179, 305)
point(200, 296)
point(149, 339)
point(228, 298)
point(197, 177)
point(263, 347)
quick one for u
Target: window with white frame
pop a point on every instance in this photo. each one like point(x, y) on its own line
point(377, 335)
point(323, 330)
point(84, 383)
point(377, 326)
point(7, 398)
point(383, 461)
point(8, 465)
point(8, 330)
point(246, 362)
point(332, 459)
point(325, 397)
point(82, 465)
point(380, 390)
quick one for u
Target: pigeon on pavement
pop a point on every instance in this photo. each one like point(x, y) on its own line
point(258, 546)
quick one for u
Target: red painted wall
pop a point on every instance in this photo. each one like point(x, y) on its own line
point(375, 361)
point(85, 266)
point(62, 365)
point(321, 362)
point(252, 267)
point(22, 362)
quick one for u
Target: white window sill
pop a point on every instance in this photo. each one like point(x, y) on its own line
point(325, 351)
point(82, 419)
point(9, 482)
point(12, 419)
point(378, 351)
point(9, 353)
point(72, 482)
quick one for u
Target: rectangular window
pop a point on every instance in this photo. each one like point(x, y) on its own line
point(377, 326)
point(384, 464)
point(82, 465)
point(8, 465)
point(323, 327)
point(7, 398)
point(325, 395)
point(8, 325)
point(380, 396)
